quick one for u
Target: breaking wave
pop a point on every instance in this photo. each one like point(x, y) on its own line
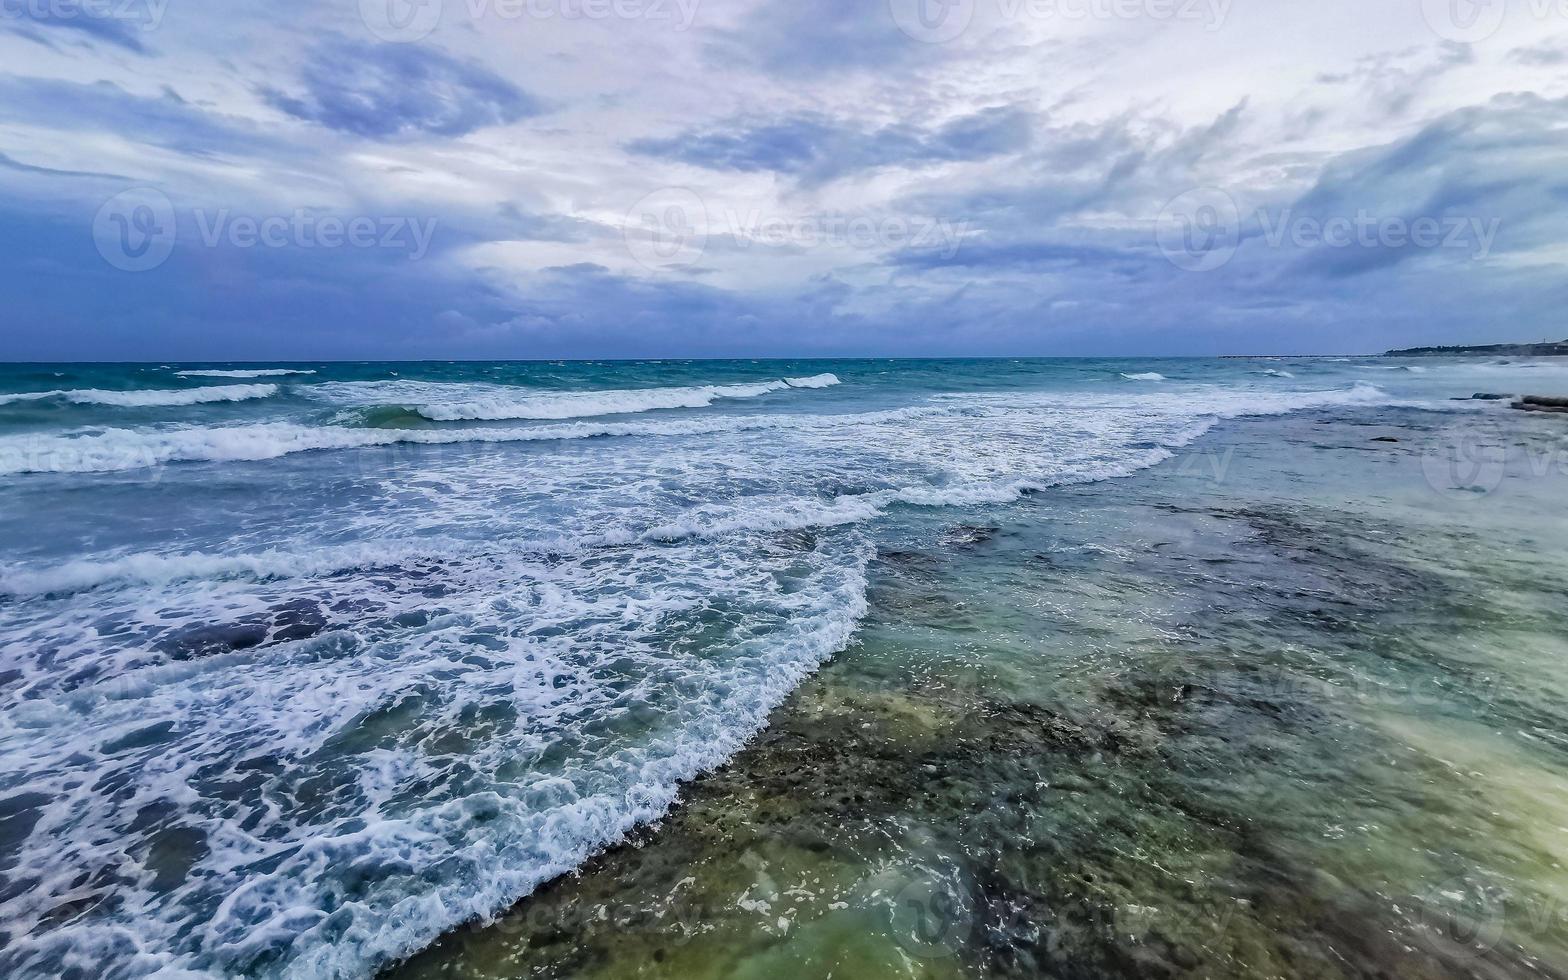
point(147, 399)
point(255, 373)
point(446, 402)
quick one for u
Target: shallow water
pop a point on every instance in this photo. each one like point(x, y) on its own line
point(295, 683)
point(1278, 707)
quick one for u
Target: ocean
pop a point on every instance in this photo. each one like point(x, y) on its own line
point(307, 667)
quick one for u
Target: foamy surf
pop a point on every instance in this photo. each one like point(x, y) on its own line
point(816, 381)
point(248, 373)
point(367, 696)
point(147, 399)
point(114, 450)
point(441, 402)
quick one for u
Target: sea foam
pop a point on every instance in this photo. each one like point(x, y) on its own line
point(148, 399)
point(422, 640)
point(449, 402)
point(251, 373)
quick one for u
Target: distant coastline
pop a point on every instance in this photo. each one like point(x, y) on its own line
point(1544, 349)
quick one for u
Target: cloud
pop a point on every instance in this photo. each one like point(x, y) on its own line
point(1479, 172)
point(89, 22)
point(817, 148)
point(804, 38)
point(17, 166)
point(167, 120)
point(1547, 54)
point(1051, 146)
point(1390, 83)
point(1026, 255)
point(389, 91)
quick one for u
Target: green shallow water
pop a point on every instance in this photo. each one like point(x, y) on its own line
point(1290, 705)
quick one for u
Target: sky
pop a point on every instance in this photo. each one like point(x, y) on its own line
point(400, 179)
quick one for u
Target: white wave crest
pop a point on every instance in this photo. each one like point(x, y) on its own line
point(815, 381)
point(258, 373)
point(448, 402)
point(114, 450)
point(148, 399)
point(1148, 376)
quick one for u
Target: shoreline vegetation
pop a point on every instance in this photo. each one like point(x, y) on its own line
point(1542, 349)
point(1545, 348)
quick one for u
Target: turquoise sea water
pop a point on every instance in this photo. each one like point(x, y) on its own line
point(303, 666)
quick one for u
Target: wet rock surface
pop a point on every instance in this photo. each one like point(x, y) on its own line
point(1542, 403)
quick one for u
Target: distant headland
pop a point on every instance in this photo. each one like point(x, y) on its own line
point(1543, 349)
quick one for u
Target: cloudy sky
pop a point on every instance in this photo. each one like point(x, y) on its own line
point(624, 178)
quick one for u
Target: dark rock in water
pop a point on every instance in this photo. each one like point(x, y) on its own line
point(141, 738)
point(297, 620)
point(968, 535)
point(207, 641)
point(18, 815)
point(797, 540)
point(1385, 439)
point(1485, 397)
point(1541, 403)
point(906, 559)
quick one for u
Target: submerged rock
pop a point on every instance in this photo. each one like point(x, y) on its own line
point(298, 619)
point(1541, 403)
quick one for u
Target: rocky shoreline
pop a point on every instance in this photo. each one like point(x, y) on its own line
point(1142, 734)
